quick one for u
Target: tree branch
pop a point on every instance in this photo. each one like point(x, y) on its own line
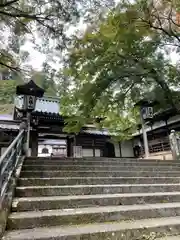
point(160, 27)
point(26, 28)
point(25, 15)
point(40, 19)
point(14, 69)
point(8, 3)
point(154, 74)
point(130, 87)
point(170, 19)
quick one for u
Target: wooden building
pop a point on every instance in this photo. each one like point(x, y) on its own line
point(158, 130)
point(47, 123)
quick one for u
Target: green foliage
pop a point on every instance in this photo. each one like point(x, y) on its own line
point(8, 87)
point(7, 91)
point(116, 63)
point(7, 94)
point(6, 108)
point(46, 20)
point(45, 80)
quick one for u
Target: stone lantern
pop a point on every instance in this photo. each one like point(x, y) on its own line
point(29, 92)
point(146, 113)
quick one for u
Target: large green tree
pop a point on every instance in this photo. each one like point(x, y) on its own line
point(46, 21)
point(46, 79)
point(116, 63)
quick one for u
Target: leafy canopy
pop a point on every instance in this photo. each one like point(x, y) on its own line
point(116, 63)
point(45, 23)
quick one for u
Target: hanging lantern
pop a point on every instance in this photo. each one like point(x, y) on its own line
point(28, 93)
point(147, 112)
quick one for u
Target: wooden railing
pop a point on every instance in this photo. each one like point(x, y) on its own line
point(158, 145)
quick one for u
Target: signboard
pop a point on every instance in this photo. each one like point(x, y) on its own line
point(30, 102)
point(147, 112)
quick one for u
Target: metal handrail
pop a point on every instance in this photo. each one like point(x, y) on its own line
point(9, 162)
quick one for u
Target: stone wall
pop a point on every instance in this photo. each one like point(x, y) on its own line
point(161, 155)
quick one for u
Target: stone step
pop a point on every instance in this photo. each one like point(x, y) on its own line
point(100, 168)
point(101, 163)
point(124, 230)
point(95, 180)
point(32, 219)
point(35, 191)
point(46, 173)
point(102, 159)
point(59, 202)
point(169, 238)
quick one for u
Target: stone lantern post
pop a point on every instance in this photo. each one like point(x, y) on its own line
point(30, 92)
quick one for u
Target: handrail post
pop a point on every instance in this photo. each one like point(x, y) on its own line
point(28, 133)
point(9, 161)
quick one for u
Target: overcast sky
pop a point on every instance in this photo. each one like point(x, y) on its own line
point(36, 58)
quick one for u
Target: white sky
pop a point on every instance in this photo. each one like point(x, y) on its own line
point(36, 58)
point(174, 57)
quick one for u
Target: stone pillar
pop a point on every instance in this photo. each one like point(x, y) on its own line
point(34, 143)
point(174, 143)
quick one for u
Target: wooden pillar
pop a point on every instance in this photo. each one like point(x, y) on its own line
point(93, 145)
point(34, 143)
point(120, 151)
point(167, 128)
point(74, 145)
point(69, 147)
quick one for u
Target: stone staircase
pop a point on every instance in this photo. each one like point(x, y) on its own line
point(97, 199)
